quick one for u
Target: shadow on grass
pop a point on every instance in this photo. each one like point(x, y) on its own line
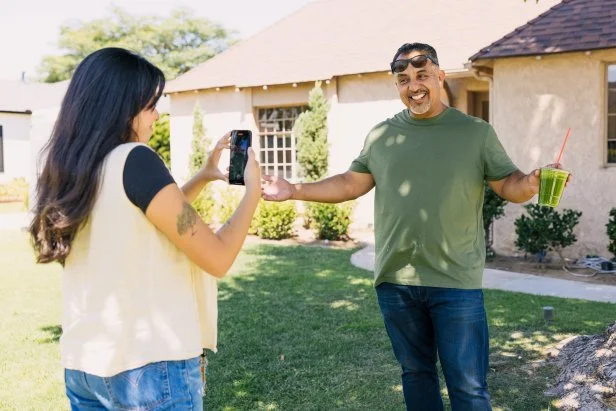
point(300, 329)
point(53, 334)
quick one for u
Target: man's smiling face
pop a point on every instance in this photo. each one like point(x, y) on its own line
point(420, 88)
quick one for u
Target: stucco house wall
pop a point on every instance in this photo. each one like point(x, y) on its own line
point(357, 103)
point(534, 101)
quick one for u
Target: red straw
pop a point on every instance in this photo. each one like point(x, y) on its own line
point(563, 147)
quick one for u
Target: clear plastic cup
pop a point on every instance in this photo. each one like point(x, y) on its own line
point(551, 185)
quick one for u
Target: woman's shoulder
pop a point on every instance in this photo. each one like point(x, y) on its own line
point(126, 148)
point(121, 152)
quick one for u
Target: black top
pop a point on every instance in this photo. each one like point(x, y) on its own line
point(145, 174)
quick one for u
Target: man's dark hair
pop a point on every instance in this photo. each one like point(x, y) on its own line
point(408, 47)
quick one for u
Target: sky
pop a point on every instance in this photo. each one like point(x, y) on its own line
point(30, 29)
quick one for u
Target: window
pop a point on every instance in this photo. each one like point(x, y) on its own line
point(1, 151)
point(277, 153)
point(611, 114)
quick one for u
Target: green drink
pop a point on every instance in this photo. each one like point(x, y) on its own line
point(551, 186)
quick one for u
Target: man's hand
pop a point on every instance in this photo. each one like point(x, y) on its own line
point(276, 189)
point(533, 178)
point(210, 171)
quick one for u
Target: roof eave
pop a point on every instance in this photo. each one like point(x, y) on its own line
point(490, 56)
point(452, 73)
point(28, 112)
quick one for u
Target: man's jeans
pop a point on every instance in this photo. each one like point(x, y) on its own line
point(422, 321)
point(167, 385)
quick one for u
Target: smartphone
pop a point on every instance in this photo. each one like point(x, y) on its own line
point(240, 141)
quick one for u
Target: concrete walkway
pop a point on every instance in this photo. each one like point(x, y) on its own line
point(524, 283)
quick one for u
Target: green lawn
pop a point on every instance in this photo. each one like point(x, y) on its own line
point(299, 329)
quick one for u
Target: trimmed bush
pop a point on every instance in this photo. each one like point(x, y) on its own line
point(331, 221)
point(611, 232)
point(275, 220)
point(545, 229)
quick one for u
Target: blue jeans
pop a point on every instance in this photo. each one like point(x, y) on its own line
point(424, 321)
point(166, 385)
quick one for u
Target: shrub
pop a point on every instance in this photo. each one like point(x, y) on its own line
point(331, 221)
point(160, 140)
point(611, 232)
point(204, 205)
point(545, 229)
point(15, 190)
point(493, 209)
point(275, 220)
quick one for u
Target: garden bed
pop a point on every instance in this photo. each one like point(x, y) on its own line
point(552, 269)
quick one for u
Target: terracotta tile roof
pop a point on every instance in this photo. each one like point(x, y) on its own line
point(573, 25)
point(329, 38)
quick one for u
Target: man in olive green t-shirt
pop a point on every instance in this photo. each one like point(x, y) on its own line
point(428, 164)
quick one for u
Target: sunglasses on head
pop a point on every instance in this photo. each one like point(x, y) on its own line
point(418, 61)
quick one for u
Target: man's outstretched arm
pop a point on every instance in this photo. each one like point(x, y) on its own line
point(336, 189)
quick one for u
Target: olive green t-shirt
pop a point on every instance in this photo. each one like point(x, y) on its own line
point(429, 196)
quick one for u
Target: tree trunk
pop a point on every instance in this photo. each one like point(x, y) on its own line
point(588, 372)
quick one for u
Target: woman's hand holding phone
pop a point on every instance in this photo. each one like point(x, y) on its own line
point(210, 171)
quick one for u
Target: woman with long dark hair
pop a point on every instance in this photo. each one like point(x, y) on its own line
point(138, 308)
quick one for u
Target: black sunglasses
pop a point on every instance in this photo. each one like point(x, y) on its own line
point(418, 61)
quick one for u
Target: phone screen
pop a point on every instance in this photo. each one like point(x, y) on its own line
point(240, 141)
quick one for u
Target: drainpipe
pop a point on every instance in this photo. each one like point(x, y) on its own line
point(486, 74)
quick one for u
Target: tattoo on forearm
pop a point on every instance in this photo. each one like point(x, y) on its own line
point(187, 220)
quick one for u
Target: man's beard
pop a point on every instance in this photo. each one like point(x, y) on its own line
point(419, 109)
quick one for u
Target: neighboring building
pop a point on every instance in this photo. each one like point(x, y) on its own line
point(262, 83)
point(27, 114)
point(559, 71)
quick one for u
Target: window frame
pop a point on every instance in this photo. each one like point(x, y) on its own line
point(608, 114)
point(275, 149)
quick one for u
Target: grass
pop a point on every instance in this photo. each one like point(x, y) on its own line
point(299, 329)
point(29, 316)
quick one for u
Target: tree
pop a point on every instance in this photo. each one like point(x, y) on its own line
point(160, 138)
point(203, 204)
point(311, 131)
point(199, 142)
point(175, 44)
point(594, 358)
